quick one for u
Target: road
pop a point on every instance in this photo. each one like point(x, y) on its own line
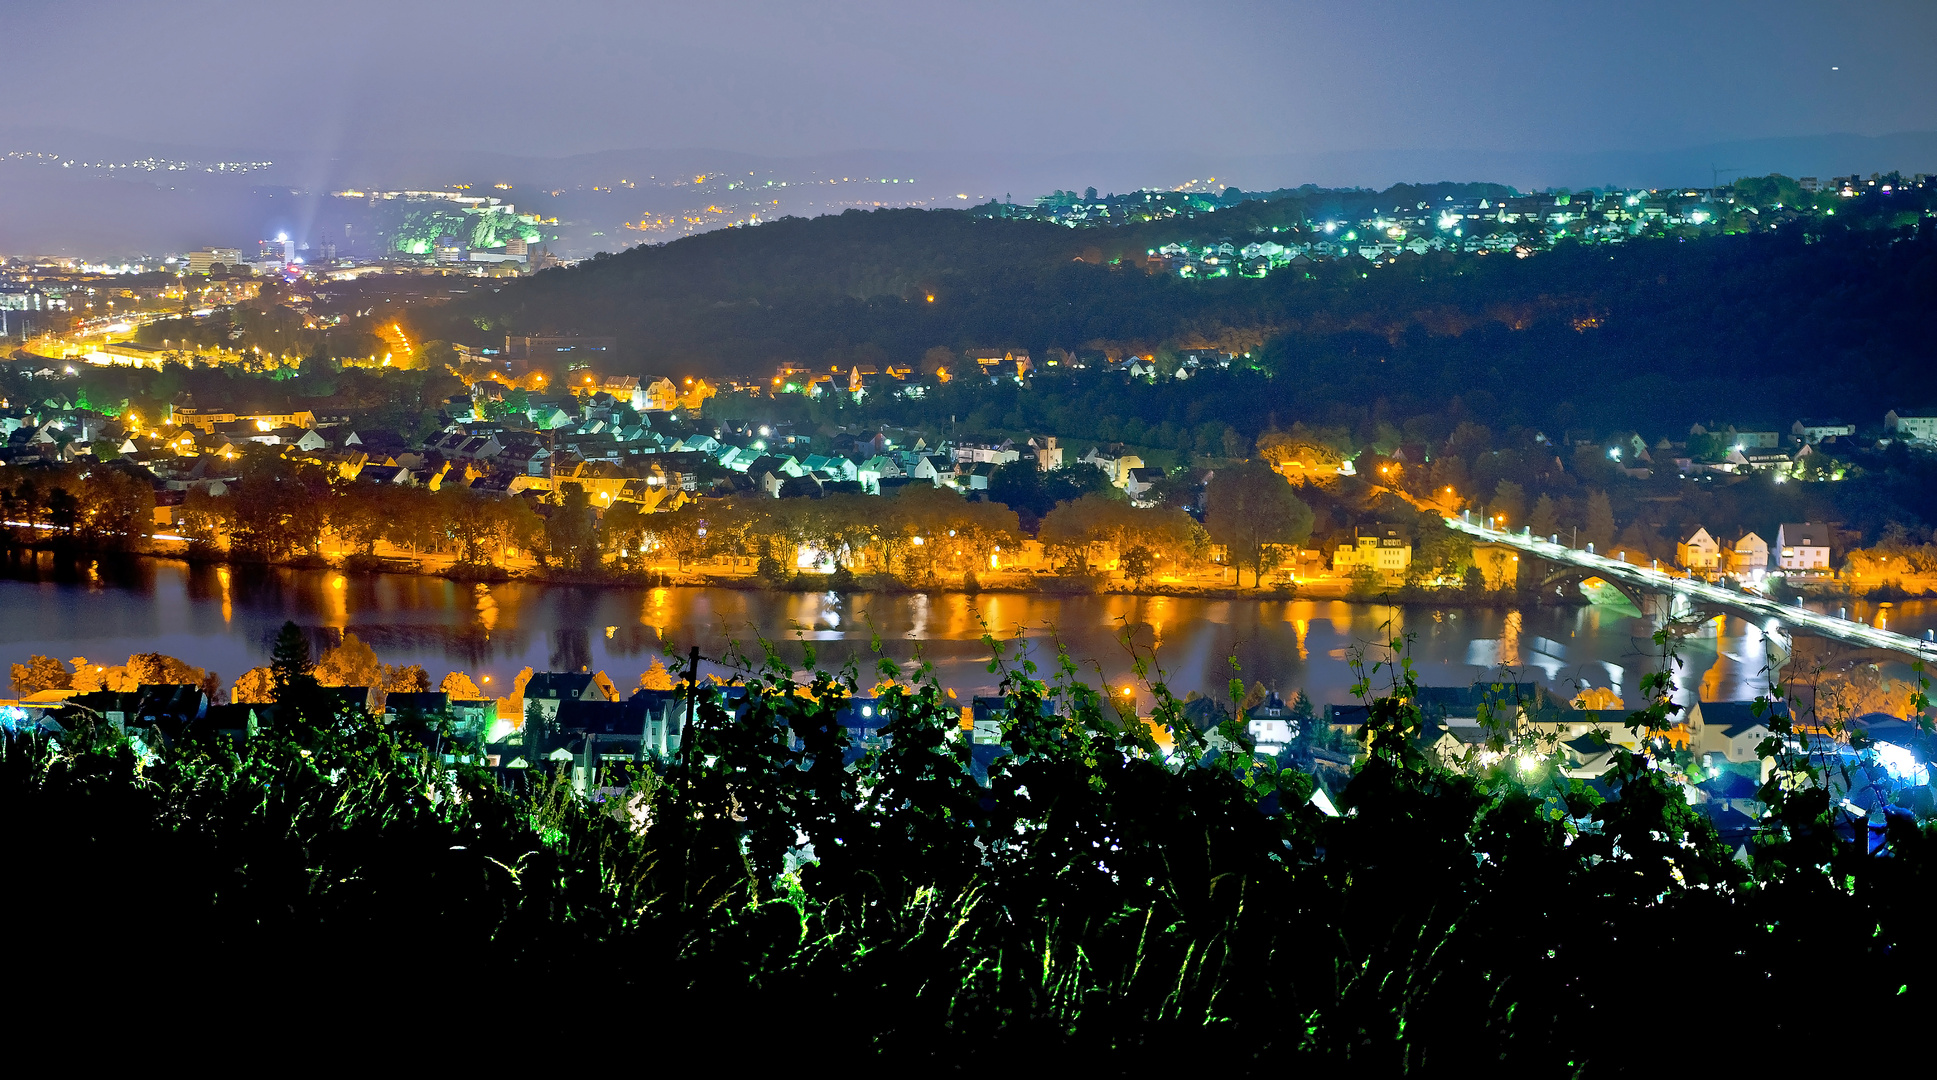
point(1699, 593)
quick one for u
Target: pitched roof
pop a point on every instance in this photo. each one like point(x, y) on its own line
point(1738, 717)
point(558, 684)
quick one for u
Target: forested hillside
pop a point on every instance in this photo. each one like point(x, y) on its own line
point(1652, 334)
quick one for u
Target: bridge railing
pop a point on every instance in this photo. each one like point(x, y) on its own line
point(1746, 604)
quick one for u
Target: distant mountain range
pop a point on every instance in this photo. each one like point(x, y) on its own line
point(101, 213)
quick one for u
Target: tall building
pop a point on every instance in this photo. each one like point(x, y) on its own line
point(280, 250)
point(200, 261)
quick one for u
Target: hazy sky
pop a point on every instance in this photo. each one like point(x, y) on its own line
point(1041, 77)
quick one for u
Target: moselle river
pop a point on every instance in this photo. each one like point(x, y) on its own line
point(224, 619)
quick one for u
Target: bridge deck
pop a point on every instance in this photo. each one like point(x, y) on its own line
point(1760, 609)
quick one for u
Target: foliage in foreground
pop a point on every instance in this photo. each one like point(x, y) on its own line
point(1092, 901)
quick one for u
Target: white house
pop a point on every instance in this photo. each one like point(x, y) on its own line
point(1811, 432)
point(1271, 724)
point(1116, 468)
point(1802, 546)
point(1912, 425)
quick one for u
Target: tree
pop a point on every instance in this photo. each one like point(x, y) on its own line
point(622, 529)
point(1138, 564)
point(1599, 530)
point(294, 686)
point(1018, 485)
point(571, 532)
point(257, 686)
point(289, 661)
point(459, 686)
point(1302, 714)
point(360, 514)
point(349, 663)
point(409, 679)
point(656, 677)
point(1544, 519)
point(158, 669)
point(1250, 508)
point(684, 535)
point(40, 673)
point(63, 511)
point(1439, 548)
point(1509, 505)
point(1253, 697)
point(278, 506)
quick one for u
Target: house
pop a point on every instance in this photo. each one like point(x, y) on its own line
point(871, 472)
point(624, 388)
point(1731, 730)
point(1117, 468)
point(974, 477)
point(986, 718)
point(547, 690)
point(152, 714)
point(862, 720)
point(1049, 456)
point(1803, 546)
point(1270, 724)
point(1385, 549)
point(995, 363)
point(1751, 439)
point(1348, 720)
point(1139, 483)
point(386, 474)
point(1699, 553)
point(930, 467)
point(998, 453)
point(1809, 432)
point(660, 395)
point(1912, 425)
point(1748, 555)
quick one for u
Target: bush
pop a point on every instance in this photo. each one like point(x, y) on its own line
point(1071, 892)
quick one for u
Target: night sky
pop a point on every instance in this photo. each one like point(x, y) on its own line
point(1041, 77)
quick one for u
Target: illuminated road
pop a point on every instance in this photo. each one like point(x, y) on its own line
point(1759, 609)
point(400, 348)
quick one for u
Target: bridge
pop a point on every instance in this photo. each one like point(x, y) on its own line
point(1668, 595)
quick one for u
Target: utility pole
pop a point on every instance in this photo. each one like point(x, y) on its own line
point(692, 701)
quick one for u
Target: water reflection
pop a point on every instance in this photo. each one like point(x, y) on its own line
point(226, 617)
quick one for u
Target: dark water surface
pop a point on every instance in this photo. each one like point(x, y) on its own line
point(224, 618)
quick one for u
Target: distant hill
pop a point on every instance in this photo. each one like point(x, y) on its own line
point(1752, 326)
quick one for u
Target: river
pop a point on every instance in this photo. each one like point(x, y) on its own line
point(224, 619)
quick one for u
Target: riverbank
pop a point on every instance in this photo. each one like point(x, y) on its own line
point(1048, 585)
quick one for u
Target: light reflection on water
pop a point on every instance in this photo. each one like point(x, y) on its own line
point(225, 618)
